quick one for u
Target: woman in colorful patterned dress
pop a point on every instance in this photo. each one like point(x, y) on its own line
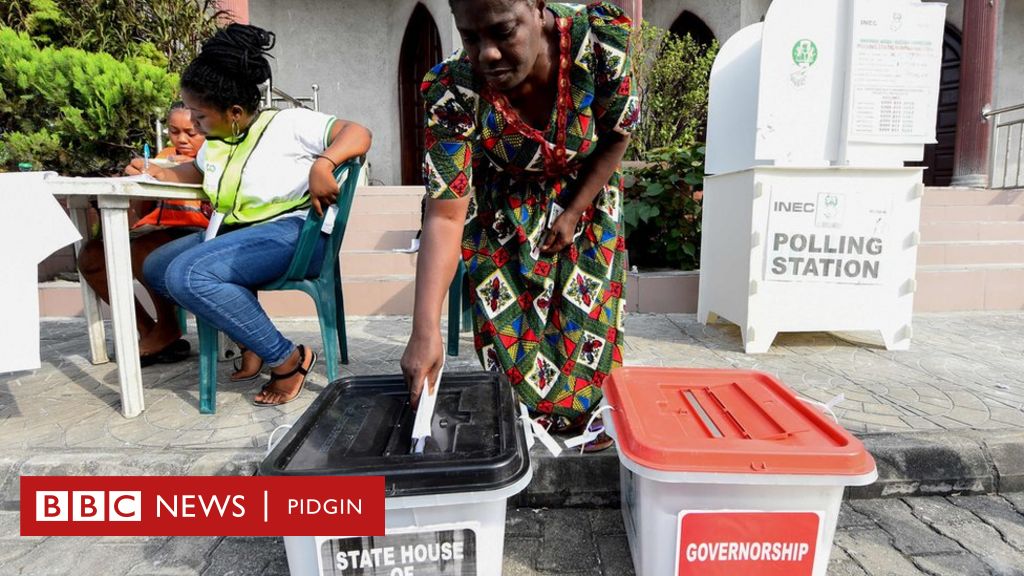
point(526, 128)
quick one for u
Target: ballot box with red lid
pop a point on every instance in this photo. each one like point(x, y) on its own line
point(728, 472)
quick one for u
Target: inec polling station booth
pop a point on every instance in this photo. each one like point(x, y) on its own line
point(810, 219)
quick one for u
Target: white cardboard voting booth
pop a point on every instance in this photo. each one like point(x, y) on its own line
point(810, 218)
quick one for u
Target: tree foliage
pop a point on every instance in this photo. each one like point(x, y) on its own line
point(662, 209)
point(169, 29)
point(82, 82)
point(672, 76)
point(76, 112)
point(662, 203)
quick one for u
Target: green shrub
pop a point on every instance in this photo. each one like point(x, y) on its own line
point(672, 76)
point(73, 111)
point(662, 202)
point(169, 32)
point(662, 209)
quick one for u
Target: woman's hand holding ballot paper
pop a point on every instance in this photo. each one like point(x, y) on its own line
point(427, 401)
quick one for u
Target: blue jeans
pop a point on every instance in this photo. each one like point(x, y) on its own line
point(216, 280)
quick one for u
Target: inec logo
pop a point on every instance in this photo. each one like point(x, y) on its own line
point(805, 53)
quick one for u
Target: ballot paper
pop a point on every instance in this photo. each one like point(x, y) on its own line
point(421, 427)
point(148, 179)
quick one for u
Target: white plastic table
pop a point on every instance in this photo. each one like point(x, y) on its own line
point(113, 196)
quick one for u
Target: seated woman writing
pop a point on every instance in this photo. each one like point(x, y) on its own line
point(160, 337)
point(261, 169)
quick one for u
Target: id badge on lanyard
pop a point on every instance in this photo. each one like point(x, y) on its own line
point(216, 219)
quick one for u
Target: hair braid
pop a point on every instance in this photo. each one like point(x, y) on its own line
point(230, 67)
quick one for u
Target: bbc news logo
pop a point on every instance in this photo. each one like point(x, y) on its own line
point(89, 506)
point(201, 505)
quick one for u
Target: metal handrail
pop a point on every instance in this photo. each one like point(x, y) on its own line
point(275, 94)
point(1006, 128)
point(998, 111)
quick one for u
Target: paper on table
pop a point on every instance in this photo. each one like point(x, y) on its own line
point(148, 179)
point(421, 427)
point(37, 226)
point(136, 178)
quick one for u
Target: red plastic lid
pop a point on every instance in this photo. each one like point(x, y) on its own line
point(726, 421)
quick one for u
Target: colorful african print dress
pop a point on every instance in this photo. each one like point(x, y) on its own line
point(552, 323)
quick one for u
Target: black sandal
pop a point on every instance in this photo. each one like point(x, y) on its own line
point(174, 352)
point(240, 361)
point(298, 370)
point(563, 425)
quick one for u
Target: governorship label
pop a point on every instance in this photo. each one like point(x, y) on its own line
point(727, 543)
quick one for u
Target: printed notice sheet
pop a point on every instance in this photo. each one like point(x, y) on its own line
point(895, 67)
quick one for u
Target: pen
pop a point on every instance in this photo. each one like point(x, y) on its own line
point(145, 157)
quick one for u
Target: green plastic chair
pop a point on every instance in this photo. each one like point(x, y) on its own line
point(324, 289)
point(182, 315)
point(459, 313)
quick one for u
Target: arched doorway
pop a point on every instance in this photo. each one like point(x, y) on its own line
point(690, 23)
point(421, 50)
point(938, 157)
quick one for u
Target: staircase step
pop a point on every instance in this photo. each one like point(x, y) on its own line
point(387, 200)
point(382, 295)
point(971, 197)
point(417, 191)
point(987, 213)
point(974, 287)
point(968, 253)
point(368, 296)
point(359, 223)
point(971, 231)
point(361, 263)
point(381, 239)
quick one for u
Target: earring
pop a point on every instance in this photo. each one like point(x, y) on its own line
point(234, 129)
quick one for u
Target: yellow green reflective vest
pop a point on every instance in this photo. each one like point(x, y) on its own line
point(222, 178)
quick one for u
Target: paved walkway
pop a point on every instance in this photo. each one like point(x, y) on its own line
point(965, 374)
point(936, 536)
point(964, 371)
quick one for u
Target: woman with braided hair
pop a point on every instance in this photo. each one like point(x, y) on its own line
point(525, 131)
point(262, 170)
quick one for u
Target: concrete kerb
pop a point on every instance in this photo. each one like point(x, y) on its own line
point(127, 462)
point(909, 464)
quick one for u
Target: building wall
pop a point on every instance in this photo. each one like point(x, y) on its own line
point(752, 11)
point(954, 12)
point(351, 51)
point(723, 18)
point(726, 17)
point(1009, 88)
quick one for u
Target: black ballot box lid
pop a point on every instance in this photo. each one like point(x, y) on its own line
point(362, 426)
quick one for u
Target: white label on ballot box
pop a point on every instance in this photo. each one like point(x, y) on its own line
point(449, 550)
point(817, 234)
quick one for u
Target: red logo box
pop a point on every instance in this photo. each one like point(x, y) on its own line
point(201, 505)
